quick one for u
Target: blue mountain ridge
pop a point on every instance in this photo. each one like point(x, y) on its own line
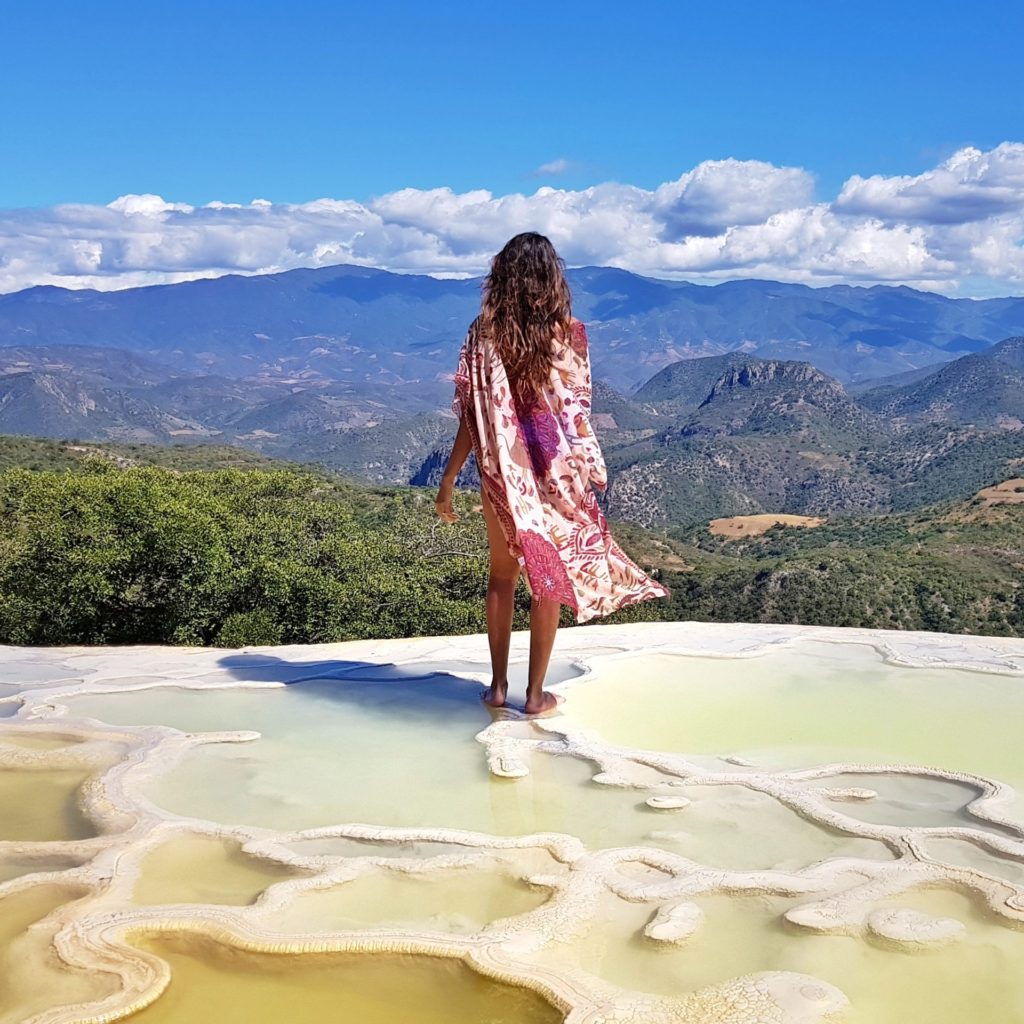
point(364, 325)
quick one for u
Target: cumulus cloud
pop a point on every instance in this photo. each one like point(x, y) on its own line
point(970, 186)
point(721, 193)
point(957, 228)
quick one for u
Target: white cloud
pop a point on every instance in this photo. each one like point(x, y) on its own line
point(559, 166)
point(718, 194)
point(147, 205)
point(956, 229)
point(970, 186)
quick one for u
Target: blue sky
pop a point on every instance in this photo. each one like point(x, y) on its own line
point(292, 102)
point(816, 142)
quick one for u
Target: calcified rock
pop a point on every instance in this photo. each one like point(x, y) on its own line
point(675, 923)
point(776, 998)
point(847, 895)
point(903, 925)
point(851, 794)
point(667, 803)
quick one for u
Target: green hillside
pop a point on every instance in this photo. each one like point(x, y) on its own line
point(982, 388)
point(954, 567)
point(213, 545)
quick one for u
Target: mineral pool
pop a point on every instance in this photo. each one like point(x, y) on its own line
point(721, 823)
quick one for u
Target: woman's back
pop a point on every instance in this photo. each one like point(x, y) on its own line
point(556, 419)
point(523, 399)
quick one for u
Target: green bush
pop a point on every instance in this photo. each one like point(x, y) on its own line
point(96, 553)
point(228, 557)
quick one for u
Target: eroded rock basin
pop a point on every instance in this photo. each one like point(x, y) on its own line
point(723, 824)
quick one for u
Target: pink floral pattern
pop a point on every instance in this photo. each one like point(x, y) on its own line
point(538, 463)
point(544, 569)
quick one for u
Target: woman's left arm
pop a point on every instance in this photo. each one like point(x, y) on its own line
point(460, 452)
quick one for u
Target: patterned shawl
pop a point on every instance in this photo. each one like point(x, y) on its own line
point(538, 460)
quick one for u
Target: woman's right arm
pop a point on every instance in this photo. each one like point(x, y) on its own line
point(463, 408)
point(460, 452)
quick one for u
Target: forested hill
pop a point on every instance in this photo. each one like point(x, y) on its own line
point(986, 388)
point(736, 435)
point(139, 544)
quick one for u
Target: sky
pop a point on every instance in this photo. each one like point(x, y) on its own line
point(817, 142)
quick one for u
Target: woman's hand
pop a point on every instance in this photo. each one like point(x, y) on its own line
point(460, 449)
point(443, 503)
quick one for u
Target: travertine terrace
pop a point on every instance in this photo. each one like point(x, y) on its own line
point(357, 799)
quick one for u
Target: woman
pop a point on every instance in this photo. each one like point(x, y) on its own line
point(522, 397)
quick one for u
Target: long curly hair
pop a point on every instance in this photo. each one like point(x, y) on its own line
point(526, 303)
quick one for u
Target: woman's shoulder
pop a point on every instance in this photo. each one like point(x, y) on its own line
point(474, 332)
point(576, 330)
point(578, 336)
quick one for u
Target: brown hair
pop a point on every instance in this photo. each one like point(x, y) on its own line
point(526, 302)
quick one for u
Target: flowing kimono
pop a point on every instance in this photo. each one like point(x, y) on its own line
point(538, 460)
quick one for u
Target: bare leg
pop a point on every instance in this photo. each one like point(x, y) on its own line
point(501, 592)
point(543, 626)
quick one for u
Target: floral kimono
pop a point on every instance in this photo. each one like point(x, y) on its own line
point(538, 460)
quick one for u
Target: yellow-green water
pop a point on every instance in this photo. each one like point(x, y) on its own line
point(976, 980)
point(204, 869)
point(813, 704)
point(966, 854)
point(457, 901)
point(37, 740)
point(325, 757)
point(14, 865)
point(214, 982)
point(32, 979)
point(42, 805)
point(379, 748)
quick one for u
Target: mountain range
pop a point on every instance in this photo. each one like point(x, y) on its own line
point(359, 324)
point(771, 436)
point(709, 401)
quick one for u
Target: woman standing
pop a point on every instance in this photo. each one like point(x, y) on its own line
point(522, 397)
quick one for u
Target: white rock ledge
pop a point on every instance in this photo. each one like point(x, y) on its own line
point(840, 895)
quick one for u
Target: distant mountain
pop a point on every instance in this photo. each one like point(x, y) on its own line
point(851, 333)
point(893, 380)
point(372, 327)
point(91, 364)
point(985, 388)
point(95, 393)
point(60, 404)
point(682, 386)
point(747, 396)
point(616, 415)
point(780, 436)
point(767, 435)
point(790, 398)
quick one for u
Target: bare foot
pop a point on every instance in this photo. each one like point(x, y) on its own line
point(547, 703)
point(494, 696)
